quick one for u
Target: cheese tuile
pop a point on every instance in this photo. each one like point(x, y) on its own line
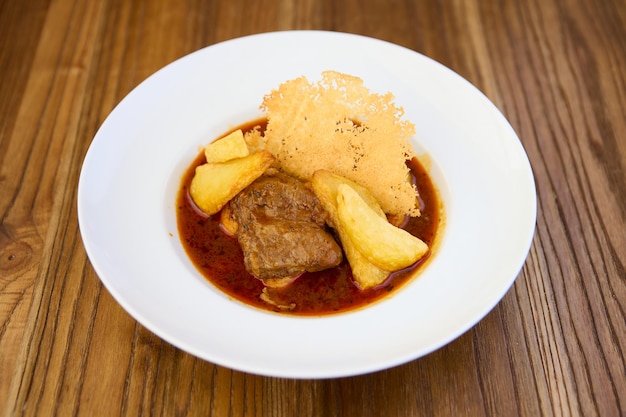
point(338, 125)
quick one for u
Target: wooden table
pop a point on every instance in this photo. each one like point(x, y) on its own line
point(555, 345)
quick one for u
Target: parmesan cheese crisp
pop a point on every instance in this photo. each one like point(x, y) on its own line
point(338, 125)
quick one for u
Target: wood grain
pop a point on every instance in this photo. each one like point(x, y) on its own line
point(554, 346)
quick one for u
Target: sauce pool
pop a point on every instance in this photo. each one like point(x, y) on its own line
point(218, 256)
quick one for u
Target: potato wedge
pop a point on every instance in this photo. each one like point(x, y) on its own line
point(227, 223)
point(325, 185)
point(229, 147)
point(365, 274)
point(386, 246)
point(214, 184)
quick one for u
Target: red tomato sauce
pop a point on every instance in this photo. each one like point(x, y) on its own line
point(218, 256)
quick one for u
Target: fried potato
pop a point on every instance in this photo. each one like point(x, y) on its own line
point(229, 147)
point(384, 245)
point(228, 224)
point(365, 273)
point(214, 184)
point(325, 185)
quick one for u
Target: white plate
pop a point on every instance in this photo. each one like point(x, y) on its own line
point(132, 171)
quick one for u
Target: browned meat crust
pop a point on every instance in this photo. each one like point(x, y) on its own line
point(282, 228)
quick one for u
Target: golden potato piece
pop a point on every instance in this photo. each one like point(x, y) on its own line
point(386, 246)
point(229, 147)
point(214, 184)
point(325, 185)
point(365, 273)
point(228, 224)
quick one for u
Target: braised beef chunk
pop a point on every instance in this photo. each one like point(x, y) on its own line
point(282, 229)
